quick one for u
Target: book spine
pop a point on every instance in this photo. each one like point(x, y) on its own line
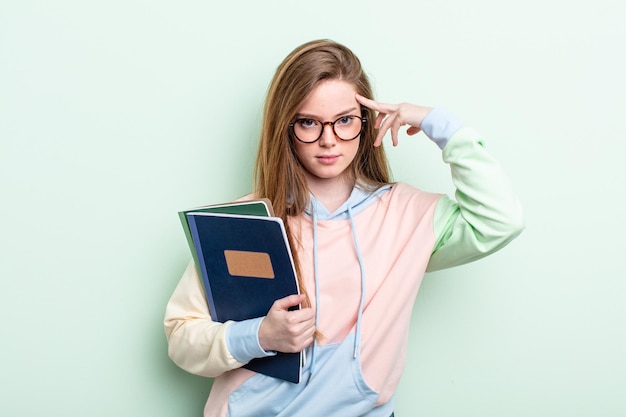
point(202, 265)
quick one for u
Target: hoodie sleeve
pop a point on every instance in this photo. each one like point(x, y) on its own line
point(195, 342)
point(486, 215)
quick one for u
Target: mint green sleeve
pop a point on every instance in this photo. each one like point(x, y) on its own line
point(486, 215)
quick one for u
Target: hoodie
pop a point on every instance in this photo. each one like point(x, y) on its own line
point(363, 265)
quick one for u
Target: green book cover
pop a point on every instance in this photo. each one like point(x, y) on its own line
point(259, 207)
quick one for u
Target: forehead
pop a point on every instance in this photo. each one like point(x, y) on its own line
point(329, 99)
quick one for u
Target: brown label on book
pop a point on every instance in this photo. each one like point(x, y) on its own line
point(249, 264)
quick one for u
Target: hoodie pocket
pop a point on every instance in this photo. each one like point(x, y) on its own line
point(337, 388)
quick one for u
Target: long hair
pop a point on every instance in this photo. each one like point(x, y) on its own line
point(279, 176)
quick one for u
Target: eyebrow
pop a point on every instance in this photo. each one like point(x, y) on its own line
point(312, 116)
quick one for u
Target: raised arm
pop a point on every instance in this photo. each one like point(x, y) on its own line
point(485, 214)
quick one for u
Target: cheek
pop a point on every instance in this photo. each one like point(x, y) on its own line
point(354, 149)
point(299, 151)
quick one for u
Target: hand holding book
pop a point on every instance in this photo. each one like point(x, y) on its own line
point(286, 330)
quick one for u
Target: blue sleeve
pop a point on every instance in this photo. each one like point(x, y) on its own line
point(242, 339)
point(439, 125)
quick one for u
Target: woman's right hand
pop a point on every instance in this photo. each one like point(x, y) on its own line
point(287, 331)
point(391, 117)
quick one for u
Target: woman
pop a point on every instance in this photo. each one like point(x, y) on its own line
point(362, 243)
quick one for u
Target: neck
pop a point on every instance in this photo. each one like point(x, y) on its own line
point(331, 193)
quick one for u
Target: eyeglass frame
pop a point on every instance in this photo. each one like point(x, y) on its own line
point(332, 126)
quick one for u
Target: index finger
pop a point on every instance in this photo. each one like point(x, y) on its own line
point(374, 105)
point(289, 301)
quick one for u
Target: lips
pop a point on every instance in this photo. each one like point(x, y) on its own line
point(327, 159)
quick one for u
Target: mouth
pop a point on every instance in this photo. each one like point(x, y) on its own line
point(327, 159)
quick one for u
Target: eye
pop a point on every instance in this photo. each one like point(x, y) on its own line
point(307, 123)
point(345, 120)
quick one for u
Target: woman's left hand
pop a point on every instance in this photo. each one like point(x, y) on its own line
point(393, 116)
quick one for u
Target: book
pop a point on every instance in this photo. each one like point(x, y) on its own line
point(245, 264)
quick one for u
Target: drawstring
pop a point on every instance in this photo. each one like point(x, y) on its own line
point(317, 291)
point(357, 336)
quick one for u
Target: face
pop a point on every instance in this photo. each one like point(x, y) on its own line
point(327, 160)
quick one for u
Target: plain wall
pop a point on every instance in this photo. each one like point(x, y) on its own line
point(115, 115)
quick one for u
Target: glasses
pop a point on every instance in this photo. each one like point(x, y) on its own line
point(310, 130)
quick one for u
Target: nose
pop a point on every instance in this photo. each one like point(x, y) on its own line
point(328, 135)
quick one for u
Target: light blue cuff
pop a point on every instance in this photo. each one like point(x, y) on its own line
point(242, 340)
point(440, 124)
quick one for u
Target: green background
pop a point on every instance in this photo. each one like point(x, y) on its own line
point(115, 115)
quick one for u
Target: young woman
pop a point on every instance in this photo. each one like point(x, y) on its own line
point(362, 244)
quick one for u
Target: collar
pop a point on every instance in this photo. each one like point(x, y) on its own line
point(360, 198)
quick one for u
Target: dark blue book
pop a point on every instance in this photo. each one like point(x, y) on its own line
point(246, 264)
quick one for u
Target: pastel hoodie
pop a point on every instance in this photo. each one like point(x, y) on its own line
point(362, 265)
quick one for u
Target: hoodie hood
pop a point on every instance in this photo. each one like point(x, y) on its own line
point(359, 200)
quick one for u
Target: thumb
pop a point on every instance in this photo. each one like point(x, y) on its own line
point(413, 130)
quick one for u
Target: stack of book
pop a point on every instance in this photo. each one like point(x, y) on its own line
point(242, 254)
